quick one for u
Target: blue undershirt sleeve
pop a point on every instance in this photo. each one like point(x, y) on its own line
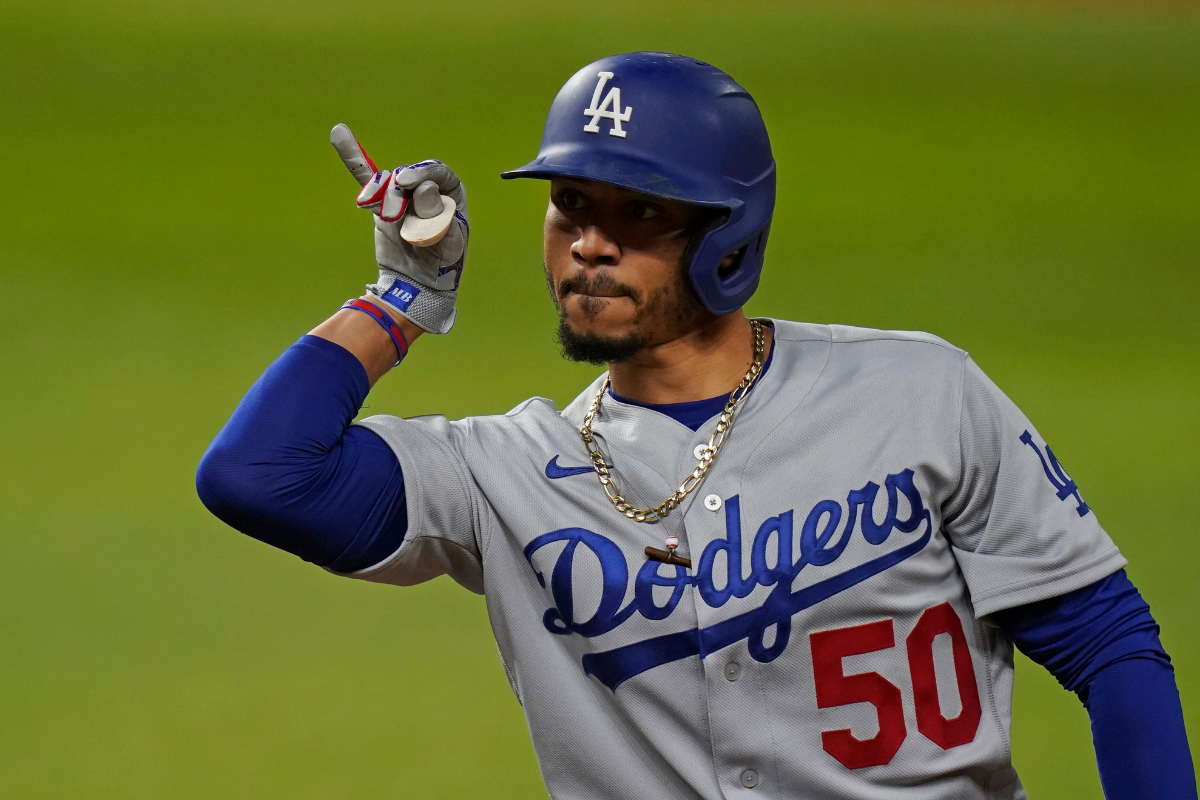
point(1102, 643)
point(290, 470)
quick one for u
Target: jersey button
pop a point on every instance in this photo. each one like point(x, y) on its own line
point(712, 502)
point(700, 450)
point(749, 778)
point(733, 671)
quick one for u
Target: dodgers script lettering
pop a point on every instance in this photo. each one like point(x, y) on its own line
point(823, 540)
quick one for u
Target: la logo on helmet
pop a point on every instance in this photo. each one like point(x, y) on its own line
point(609, 109)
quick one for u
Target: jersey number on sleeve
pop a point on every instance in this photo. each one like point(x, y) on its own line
point(835, 688)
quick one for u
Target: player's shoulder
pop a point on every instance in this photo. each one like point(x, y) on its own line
point(537, 418)
point(850, 341)
point(915, 360)
point(916, 342)
point(531, 428)
point(534, 411)
point(919, 343)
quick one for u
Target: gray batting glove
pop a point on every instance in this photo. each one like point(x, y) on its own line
point(419, 271)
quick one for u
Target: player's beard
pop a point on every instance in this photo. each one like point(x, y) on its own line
point(674, 306)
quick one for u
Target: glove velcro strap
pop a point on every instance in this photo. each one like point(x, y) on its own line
point(429, 309)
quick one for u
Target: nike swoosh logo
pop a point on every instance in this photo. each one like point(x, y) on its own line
point(554, 471)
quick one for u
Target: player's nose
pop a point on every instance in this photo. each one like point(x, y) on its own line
point(594, 248)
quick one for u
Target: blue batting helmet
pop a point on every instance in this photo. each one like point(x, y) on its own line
point(678, 128)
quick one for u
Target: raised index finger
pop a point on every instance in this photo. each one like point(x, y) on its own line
point(352, 154)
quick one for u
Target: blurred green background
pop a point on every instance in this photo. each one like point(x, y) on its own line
point(1023, 180)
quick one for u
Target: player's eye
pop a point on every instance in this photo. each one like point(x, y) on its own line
point(642, 211)
point(570, 200)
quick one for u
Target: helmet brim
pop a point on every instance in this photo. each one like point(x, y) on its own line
point(625, 171)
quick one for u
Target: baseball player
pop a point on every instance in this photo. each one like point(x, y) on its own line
point(755, 557)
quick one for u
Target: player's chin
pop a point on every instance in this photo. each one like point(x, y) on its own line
point(598, 345)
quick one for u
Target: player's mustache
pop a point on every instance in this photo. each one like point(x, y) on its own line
point(600, 285)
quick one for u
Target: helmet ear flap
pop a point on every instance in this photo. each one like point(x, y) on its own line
point(752, 251)
point(707, 220)
point(726, 287)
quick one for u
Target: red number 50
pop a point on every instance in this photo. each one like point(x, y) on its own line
point(835, 688)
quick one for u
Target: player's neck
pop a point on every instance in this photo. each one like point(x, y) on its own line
point(708, 361)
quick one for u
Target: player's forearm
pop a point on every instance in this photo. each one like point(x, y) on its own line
point(1101, 642)
point(1138, 731)
point(365, 338)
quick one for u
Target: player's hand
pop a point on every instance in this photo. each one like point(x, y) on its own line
point(421, 231)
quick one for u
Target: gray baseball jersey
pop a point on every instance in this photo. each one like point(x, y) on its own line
point(877, 499)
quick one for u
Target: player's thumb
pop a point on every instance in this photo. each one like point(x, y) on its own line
point(427, 200)
point(352, 154)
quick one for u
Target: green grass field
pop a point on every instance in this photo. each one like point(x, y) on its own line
point(1021, 180)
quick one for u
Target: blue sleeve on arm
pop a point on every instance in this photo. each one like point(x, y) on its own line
point(1102, 643)
point(289, 470)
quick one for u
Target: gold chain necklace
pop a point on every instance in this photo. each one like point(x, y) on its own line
point(719, 434)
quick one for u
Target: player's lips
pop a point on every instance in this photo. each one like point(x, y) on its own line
point(599, 293)
point(601, 285)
